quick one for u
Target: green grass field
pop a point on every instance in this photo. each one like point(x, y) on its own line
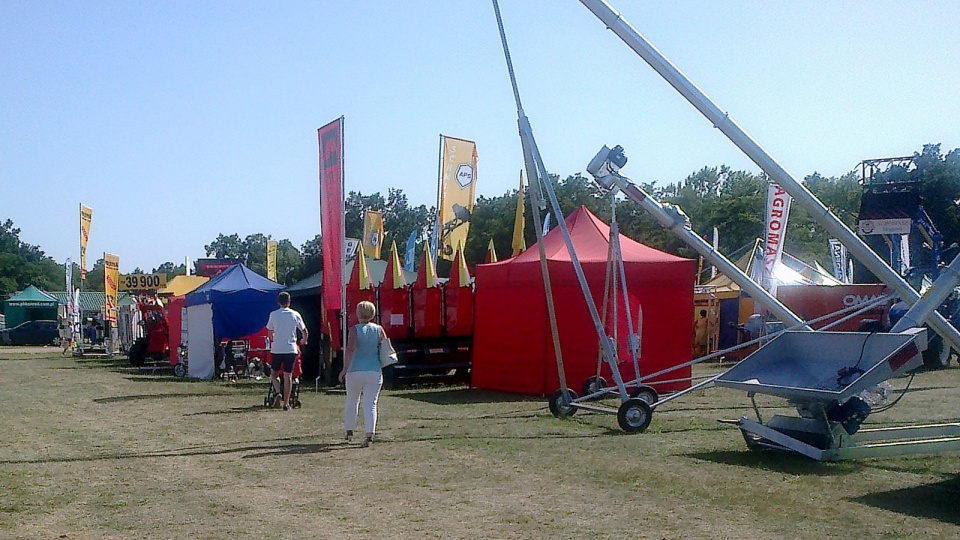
point(94, 449)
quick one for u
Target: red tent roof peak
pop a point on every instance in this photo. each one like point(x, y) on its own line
point(591, 240)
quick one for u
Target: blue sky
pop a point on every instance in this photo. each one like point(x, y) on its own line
point(179, 120)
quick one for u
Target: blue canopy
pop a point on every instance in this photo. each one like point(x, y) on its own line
point(241, 299)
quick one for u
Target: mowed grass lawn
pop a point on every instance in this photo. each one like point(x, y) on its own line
point(94, 449)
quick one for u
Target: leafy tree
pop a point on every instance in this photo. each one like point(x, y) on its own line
point(253, 251)
point(23, 264)
point(95, 277)
point(399, 217)
point(226, 247)
point(312, 252)
point(171, 270)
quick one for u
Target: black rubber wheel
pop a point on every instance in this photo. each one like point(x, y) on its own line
point(634, 415)
point(266, 402)
point(179, 370)
point(593, 384)
point(138, 352)
point(559, 406)
point(646, 393)
point(937, 355)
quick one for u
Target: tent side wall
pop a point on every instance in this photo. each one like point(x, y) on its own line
point(511, 334)
point(513, 347)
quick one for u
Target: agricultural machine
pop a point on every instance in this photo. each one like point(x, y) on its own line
point(155, 343)
point(893, 223)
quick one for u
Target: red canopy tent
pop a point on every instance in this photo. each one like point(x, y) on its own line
point(513, 346)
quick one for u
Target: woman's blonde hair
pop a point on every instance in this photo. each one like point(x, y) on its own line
point(366, 311)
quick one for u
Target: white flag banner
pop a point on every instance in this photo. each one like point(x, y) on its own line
point(838, 252)
point(775, 230)
point(69, 283)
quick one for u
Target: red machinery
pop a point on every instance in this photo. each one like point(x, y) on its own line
point(156, 340)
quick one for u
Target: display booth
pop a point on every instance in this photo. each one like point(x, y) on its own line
point(513, 344)
point(234, 304)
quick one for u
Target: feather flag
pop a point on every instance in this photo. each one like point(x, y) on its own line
point(409, 253)
point(272, 260)
point(86, 216)
point(458, 180)
point(519, 244)
point(372, 233)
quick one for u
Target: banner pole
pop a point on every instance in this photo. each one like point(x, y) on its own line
point(435, 244)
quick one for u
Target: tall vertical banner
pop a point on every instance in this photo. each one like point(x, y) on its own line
point(372, 233)
point(775, 229)
point(86, 216)
point(272, 260)
point(519, 245)
point(410, 251)
point(111, 281)
point(458, 179)
point(330, 137)
point(838, 252)
point(69, 282)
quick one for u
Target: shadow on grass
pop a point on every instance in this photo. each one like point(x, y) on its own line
point(776, 461)
point(122, 399)
point(231, 410)
point(264, 449)
point(934, 501)
point(112, 365)
point(466, 396)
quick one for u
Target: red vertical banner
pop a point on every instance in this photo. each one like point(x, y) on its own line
point(330, 138)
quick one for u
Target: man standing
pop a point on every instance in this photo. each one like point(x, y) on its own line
point(282, 331)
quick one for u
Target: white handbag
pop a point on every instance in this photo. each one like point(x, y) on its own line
point(388, 356)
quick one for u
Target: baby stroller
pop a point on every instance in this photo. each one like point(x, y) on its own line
point(275, 399)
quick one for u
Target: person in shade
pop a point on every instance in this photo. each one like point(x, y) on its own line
point(361, 372)
point(282, 327)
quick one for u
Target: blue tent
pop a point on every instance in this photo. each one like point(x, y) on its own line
point(241, 299)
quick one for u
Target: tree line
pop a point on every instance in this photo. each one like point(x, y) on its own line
point(730, 200)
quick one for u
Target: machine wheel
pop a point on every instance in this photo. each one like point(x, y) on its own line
point(266, 402)
point(593, 384)
point(634, 415)
point(646, 393)
point(937, 355)
point(559, 406)
point(179, 370)
point(138, 352)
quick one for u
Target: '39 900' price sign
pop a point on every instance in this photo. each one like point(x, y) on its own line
point(142, 282)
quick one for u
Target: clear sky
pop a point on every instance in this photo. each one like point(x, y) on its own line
point(179, 120)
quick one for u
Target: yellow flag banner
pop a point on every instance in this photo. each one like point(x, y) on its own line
point(458, 179)
point(372, 233)
point(111, 282)
point(519, 244)
point(272, 260)
point(86, 216)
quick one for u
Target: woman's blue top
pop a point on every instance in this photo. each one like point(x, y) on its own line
point(366, 357)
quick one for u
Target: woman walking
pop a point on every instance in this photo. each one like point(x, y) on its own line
point(361, 372)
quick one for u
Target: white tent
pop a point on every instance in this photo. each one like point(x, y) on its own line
point(200, 346)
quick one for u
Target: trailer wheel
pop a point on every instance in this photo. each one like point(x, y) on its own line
point(634, 415)
point(179, 370)
point(646, 393)
point(593, 385)
point(559, 406)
